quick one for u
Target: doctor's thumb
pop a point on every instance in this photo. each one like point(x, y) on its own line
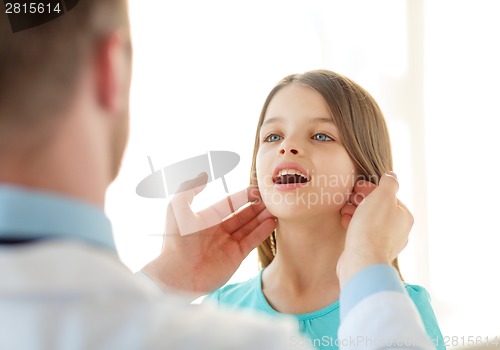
point(389, 182)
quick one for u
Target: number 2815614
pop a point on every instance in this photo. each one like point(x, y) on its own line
point(31, 7)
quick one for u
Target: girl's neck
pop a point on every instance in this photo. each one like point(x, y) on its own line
point(304, 268)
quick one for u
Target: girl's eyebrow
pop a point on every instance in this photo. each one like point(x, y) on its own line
point(324, 120)
point(318, 120)
point(272, 120)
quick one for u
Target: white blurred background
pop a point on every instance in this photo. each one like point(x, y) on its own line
point(202, 70)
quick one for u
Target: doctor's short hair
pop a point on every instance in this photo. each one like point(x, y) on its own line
point(40, 66)
point(361, 125)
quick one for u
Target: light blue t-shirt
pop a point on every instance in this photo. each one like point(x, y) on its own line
point(320, 326)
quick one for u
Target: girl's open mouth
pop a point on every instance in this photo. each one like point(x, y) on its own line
point(288, 179)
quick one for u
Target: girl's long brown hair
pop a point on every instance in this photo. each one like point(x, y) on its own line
point(361, 125)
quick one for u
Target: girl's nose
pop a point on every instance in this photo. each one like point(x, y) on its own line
point(294, 151)
point(291, 146)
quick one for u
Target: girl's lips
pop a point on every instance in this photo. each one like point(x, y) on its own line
point(289, 165)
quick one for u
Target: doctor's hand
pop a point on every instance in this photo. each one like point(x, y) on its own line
point(361, 189)
point(378, 230)
point(201, 251)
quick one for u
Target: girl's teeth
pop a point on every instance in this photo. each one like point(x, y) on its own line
point(286, 172)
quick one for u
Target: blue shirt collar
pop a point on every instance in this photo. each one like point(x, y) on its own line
point(33, 214)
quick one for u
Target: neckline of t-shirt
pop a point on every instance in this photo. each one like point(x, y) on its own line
point(309, 315)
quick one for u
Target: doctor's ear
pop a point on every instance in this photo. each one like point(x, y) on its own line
point(112, 71)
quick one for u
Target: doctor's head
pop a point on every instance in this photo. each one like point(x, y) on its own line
point(318, 133)
point(71, 73)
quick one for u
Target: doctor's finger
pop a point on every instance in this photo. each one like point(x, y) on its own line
point(406, 211)
point(361, 189)
point(250, 226)
point(179, 209)
point(348, 209)
point(255, 211)
point(256, 236)
point(345, 220)
point(346, 212)
point(389, 185)
point(197, 184)
point(188, 189)
point(232, 203)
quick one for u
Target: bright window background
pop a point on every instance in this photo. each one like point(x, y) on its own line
point(202, 70)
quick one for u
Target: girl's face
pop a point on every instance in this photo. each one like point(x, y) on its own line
point(302, 167)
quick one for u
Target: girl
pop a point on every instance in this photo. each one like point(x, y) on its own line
point(318, 134)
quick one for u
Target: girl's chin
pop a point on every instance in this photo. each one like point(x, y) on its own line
point(303, 203)
point(295, 212)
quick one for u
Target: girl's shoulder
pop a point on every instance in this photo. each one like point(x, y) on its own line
point(237, 294)
point(418, 293)
point(422, 300)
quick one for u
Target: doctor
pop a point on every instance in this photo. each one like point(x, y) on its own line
point(64, 89)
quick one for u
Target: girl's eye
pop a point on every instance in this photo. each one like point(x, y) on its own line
point(272, 138)
point(321, 137)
